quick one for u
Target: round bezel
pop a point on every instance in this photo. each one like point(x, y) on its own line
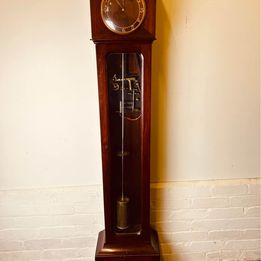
point(129, 28)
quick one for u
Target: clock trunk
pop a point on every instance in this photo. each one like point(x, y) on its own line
point(124, 83)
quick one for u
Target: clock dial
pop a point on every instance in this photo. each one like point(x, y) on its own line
point(123, 16)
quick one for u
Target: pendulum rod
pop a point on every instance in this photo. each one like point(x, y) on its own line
point(122, 123)
point(123, 202)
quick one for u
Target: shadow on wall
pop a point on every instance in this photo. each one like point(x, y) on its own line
point(160, 78)
point(160, 60)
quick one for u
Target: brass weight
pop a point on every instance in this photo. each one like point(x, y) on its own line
point(122, 213)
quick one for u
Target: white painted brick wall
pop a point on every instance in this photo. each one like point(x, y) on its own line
point(219, 221)
point(208, 220)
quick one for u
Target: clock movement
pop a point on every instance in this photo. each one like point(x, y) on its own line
point(123, 32)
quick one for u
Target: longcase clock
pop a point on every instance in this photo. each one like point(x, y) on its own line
point(123, 32)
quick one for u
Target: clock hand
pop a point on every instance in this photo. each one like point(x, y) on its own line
point(120, 5)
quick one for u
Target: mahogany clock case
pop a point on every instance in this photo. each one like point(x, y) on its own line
point(142, 244)
point(107, 143)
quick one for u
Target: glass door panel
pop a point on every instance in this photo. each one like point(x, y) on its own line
point(125, 76)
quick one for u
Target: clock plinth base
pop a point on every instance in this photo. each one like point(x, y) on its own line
point(128, 252)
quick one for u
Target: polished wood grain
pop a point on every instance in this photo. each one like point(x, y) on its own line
point(145, 251)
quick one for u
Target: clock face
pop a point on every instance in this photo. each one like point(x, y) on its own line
point(123, 16)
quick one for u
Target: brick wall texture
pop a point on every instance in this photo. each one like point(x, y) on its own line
point(206, 220)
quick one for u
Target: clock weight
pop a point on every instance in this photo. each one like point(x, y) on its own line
point(122, 213)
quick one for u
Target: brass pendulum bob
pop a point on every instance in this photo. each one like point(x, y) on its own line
point(122, 213)
point(122, 204)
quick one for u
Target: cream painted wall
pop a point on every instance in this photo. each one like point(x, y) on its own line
point(49, 121)
point(205, 92)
